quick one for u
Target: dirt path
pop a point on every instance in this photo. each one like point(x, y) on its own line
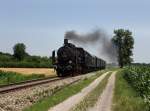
point(72, 101)
point(105, 101)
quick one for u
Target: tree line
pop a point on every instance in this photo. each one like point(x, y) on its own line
point(20, 58)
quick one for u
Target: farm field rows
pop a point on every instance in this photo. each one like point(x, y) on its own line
point(29, 71)
point(139, 78)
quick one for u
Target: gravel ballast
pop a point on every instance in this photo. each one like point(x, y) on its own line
point(18, 100)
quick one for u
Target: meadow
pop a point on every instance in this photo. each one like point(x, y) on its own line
point(13, 77)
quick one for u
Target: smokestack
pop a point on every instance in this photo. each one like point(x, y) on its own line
point(65, 41)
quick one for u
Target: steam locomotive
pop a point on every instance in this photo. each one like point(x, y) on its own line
point(72, 60)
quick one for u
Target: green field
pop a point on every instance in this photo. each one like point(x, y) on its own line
point(12, 77)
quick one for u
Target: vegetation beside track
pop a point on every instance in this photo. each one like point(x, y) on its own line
point(126, 98)
point(91, 99)
point(12, 77)
point(47, 102)
point(139, 78)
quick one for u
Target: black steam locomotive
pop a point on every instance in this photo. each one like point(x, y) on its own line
point(72, 60)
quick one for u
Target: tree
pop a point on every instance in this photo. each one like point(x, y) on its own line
point(124, 42)
point(19, 51)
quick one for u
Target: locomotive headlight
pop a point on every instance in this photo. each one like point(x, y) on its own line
point(70, 62)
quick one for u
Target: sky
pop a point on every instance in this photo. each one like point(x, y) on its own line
point(41, 24)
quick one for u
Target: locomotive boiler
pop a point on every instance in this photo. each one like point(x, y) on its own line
point(72, 60)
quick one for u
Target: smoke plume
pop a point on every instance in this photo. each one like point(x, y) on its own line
point(106, 49)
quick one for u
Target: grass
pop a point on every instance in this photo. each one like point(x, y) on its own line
point(91, 99)
point(12, 77)
point(45, 103)
point(125, 97)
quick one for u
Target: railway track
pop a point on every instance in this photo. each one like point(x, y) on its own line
point(26, 84)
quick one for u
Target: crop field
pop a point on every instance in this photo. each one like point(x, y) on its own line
point(139, 78)
point(29, 71)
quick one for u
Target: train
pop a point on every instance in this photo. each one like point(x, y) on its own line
point(72, 61)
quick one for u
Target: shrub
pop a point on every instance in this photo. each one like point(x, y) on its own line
point(139, 78)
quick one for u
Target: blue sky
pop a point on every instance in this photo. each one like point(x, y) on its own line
point(41, 24)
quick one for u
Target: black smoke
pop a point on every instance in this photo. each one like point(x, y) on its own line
point(98, 37)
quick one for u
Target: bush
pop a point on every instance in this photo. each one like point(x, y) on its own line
point(139, 78)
